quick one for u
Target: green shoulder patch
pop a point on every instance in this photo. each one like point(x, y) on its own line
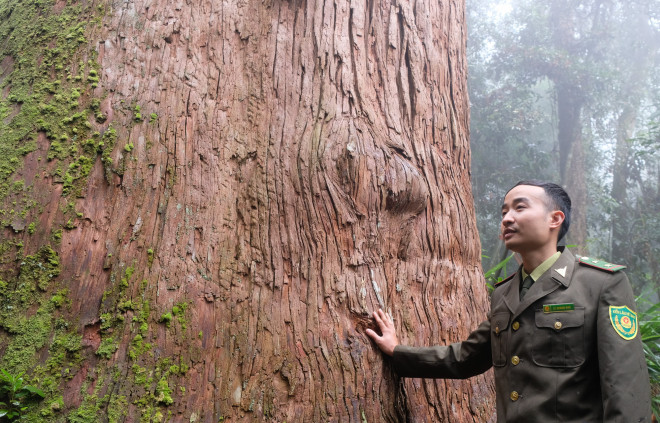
point(624, 322)
point(602, 265)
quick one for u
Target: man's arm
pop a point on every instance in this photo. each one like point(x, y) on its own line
point(456, 361)
point(624, 376)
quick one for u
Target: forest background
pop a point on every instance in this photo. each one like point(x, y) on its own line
point(569, 91)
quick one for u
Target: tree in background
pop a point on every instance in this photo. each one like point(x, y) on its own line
point(202, 202)
point(564, 88)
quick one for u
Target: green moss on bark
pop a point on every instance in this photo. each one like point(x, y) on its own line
point(49, 75)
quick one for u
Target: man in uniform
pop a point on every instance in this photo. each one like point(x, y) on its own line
point(562, 332)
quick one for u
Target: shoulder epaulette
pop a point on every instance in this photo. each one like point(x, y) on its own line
point(600, 264)
point(503, 281)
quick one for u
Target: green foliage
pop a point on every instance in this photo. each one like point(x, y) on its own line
point(107, 144)
point(649, 327)
point(77, 170)
point(137, 114)
point(166, 318)
point(107, 348)
point(117, 409)
point(59, 299)
point(15, 395)
point(28, 334)
point(38, 339)
point(38, 269)
point(127, 277)
point(639, 215)
point(492, 276)
point(150, 256)
point(163, 392)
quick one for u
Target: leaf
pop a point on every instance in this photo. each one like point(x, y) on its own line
point(497, 267)
point(35, 391)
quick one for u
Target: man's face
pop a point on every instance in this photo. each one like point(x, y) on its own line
point(526, 220)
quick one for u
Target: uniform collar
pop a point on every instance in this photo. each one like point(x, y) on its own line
point(558, 275)
point(562, 270)
point(541, 268)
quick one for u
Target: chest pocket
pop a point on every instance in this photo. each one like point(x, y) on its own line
point(499, 323)
point(559, 339)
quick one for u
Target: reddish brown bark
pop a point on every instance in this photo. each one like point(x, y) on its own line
point(309, 163)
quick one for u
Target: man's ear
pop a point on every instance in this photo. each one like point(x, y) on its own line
point(556, 218)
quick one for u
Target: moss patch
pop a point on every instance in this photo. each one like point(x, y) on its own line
point(47, 81)
point(37, 339)
point(47, 76)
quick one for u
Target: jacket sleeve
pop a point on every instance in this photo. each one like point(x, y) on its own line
point(624, 376)
point(456, 361)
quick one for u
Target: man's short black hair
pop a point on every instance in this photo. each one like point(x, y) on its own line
point(559, 200)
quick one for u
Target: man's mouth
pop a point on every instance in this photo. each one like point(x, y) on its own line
point(508, 233)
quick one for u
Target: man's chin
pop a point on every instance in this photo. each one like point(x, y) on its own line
point(512, 246)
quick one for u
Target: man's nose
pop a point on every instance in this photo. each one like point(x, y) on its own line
point(506, 218)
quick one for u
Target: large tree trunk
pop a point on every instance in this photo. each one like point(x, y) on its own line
point(571, 160)
point(569, 88)
point(282, 169)
point(622, 219)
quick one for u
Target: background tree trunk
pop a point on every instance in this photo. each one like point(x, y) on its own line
point(282, 169)
point(570, 102)
point(571, 162)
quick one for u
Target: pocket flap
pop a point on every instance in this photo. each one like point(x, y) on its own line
point(559, 321)
point(499, 322)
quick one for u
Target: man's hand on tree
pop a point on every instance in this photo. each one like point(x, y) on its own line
point(388, 340)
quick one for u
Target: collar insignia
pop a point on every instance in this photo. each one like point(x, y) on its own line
point(561, 271)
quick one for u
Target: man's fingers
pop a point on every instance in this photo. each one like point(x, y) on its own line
point(388, 340)
point(385, 318)
point(374, 337)
point(379, 320)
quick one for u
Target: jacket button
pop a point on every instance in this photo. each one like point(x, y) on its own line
point(497, 330)
point(557, 325)
point(515, 360)
point(514, 396)
point(515, 325)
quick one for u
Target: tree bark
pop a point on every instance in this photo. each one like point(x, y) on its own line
point(288, 167)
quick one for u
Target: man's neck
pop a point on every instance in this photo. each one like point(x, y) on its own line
point(531, 260)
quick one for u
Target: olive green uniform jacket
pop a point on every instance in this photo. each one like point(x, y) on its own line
point(569, 366)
